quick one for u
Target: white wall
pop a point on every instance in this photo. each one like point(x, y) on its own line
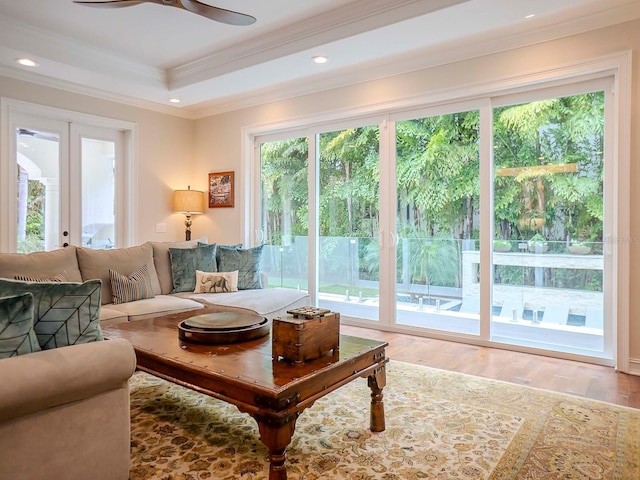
point(218, 138)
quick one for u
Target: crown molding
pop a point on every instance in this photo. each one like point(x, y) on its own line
point(133, 79)
point(75, 88)
point(41, 44)
point(357, 17)
point(481, 45)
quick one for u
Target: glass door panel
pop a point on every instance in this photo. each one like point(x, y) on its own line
point(73, 182)
point(438, 188)
point(38, 189)
point(284, 211)
point(98, 193)
point(548, 269)
point(349, 254)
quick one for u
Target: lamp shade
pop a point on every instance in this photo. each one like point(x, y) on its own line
point(188, 201)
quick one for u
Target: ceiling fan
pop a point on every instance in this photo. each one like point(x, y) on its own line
point(214, 13)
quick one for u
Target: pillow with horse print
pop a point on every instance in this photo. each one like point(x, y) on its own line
point(216, 282)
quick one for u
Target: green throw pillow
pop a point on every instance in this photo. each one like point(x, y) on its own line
point(64, 313)
point(17, 336)
point(185, 262)
point(236, 246)
point(246, 261)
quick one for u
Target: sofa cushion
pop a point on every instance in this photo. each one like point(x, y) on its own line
point(41, 264)
point(154, 307)
point(185, 262)
point(128, 288)
point(96, 264)
point(268, 302)
point(109, 316)
point(246, 261)
point(17, 336)
point(64, 313)
point(216, 282)
point(162, 261)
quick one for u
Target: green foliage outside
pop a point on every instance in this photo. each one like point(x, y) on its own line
point(548, 181)
point(33, 238)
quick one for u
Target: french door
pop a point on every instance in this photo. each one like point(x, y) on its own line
point(70, 183)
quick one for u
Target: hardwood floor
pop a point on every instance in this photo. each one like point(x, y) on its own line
point(565, 376)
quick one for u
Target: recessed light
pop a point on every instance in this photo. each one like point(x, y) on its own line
point(531, 15)
point(174, 100)
point(320, 59)
point(26, 62)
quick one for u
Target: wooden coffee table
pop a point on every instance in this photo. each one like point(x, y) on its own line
point(273, 392)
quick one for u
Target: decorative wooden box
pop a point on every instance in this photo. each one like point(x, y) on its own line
point(306, 334)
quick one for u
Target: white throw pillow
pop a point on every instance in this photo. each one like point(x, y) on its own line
point(216, 282)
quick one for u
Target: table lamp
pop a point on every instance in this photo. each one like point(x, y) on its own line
point(189, 202)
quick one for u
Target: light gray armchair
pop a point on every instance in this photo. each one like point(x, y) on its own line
point(64, 413)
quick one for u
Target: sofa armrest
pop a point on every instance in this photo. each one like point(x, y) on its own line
point(45, 379)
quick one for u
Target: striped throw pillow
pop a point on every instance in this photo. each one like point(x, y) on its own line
point(127, 288)
point(59, 277)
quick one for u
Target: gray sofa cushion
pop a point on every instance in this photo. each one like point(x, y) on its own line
point(268, 302)
point(17, 336)
point(109, 316)
point(64, 313)
point(153, 307)
point(96, 264)
point(41, 264)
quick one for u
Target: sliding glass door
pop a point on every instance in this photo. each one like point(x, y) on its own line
point(348, 221)
point(549, 202)
point(484, 220)
point(437, 209)
point(284, 226)
point(342, 255)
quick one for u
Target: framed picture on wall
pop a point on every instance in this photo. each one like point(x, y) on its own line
point(221, 189)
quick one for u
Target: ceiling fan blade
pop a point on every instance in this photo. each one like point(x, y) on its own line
point(216, 13)
point(110, 3)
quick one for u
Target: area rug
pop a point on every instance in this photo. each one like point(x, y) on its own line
point(439, 425)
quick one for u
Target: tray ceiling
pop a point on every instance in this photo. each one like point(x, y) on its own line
point(147, 54)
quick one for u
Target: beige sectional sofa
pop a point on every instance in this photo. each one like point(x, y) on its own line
point(64, 411)
point(81, 264)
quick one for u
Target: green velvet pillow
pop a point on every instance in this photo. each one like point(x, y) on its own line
point(246, 261)
point(236, 246)
point(185, 262)
point(17, 336)
point(64, 313)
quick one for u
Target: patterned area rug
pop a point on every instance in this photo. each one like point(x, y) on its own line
point(440, 425)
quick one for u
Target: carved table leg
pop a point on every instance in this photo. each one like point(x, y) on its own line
point(276, 435)
point(377, 381)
